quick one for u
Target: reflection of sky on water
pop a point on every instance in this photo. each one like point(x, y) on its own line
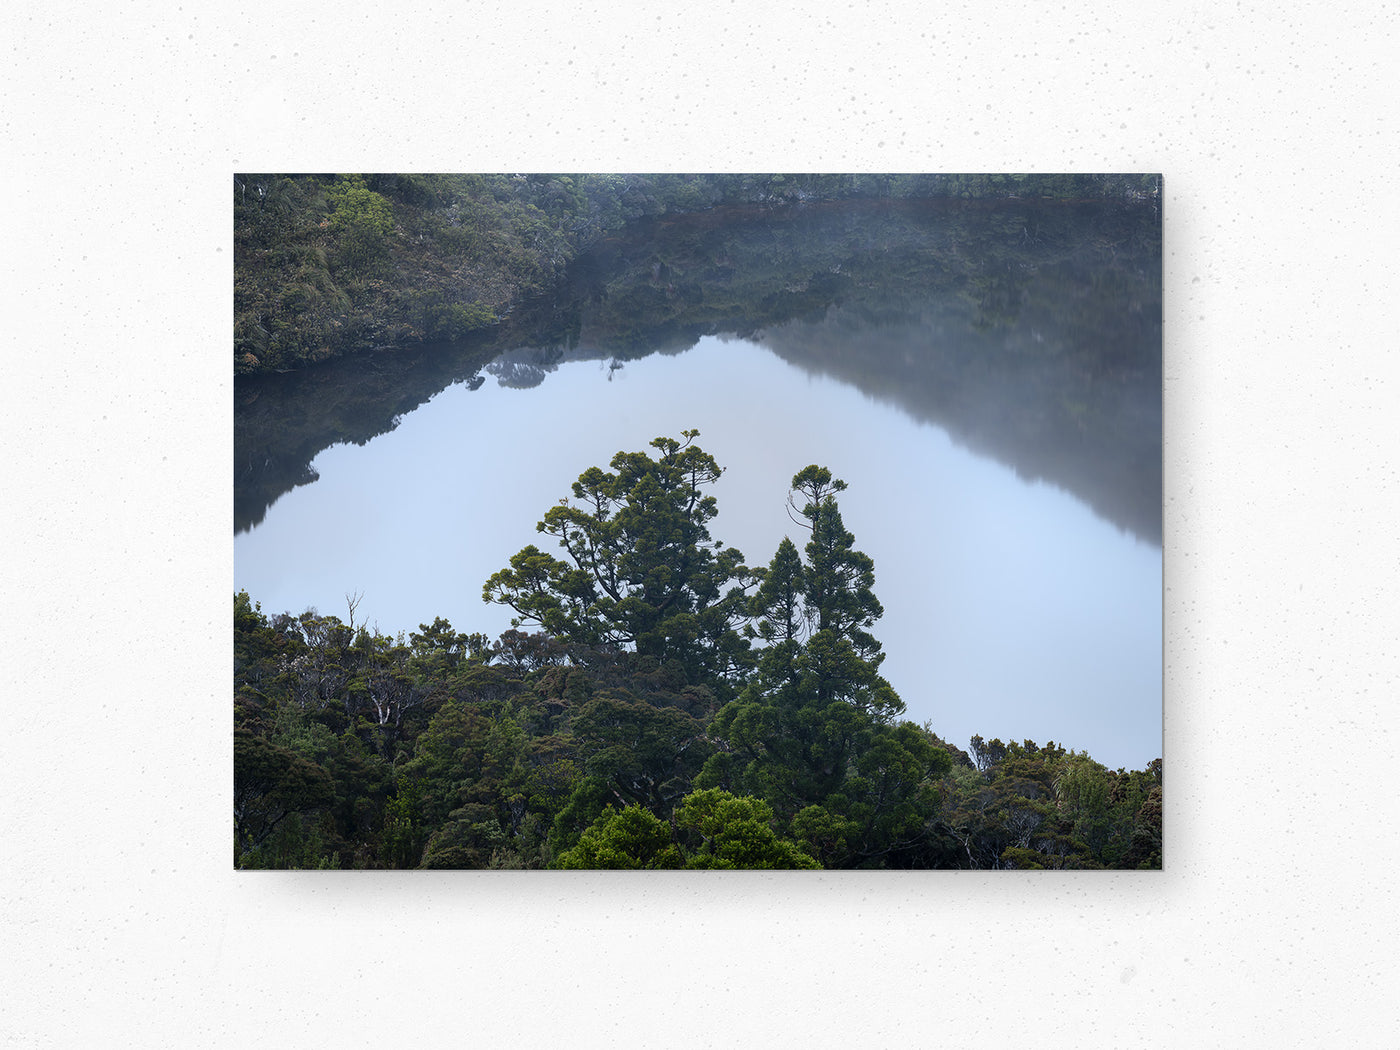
point(1010, 609)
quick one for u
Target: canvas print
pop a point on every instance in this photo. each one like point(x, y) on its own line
point(718, 521)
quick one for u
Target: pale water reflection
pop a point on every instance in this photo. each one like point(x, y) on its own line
point(1011, 608)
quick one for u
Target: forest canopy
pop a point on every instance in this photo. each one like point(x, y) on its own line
point(657, 703)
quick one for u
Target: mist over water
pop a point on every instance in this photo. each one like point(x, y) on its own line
point(1010, 609)
point(1016, 541)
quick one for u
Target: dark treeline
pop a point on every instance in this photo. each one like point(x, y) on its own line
point(657, 704)
point(1047, 317)
point(329, 265)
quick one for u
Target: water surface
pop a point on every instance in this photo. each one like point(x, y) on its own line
point(1000, 435)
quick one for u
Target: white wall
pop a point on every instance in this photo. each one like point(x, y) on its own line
point(1274, 922)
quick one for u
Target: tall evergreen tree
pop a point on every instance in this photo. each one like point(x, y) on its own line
point(813, 733)
point(838, 579)
point(642, 573)
point(841, 658)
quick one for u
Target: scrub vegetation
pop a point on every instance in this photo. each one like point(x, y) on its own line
point(658, 703)
point(331, 265)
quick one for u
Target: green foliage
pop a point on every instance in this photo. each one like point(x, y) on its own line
point(627, 839)
point(1145, 848)
point(642, 573)
point(1027, 806)
point(402, 843)
point(270, 783)
point(841, 658)
point(361, 219)
point(439, 320)
point(987, 754)
point(779, 603)
point(471, 837)
point(261, 652)
point(816, 697)
point(717, 829)
point(639, 728)
point(330, 266)
point(813, 734)
point(837, 579)
point(325, 266)
point(644, 753)
point(736, 833)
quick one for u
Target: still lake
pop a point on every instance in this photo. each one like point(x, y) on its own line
point(986, 379)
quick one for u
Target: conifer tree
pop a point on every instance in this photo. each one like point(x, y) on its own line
point(813, 733)
point(642, 573)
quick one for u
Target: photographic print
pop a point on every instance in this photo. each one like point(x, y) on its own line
point(726, 521)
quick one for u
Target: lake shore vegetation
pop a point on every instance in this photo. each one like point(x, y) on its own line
point(658, 703)
point(327, 266)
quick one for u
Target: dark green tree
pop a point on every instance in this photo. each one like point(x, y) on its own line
point(475, 785)
point(270, 783)
point(629, 839)
point(642, 573)
point(645, 754)
point(262, 651)
point(841, 658)
point(838, 579)
point(401, 843)
point(1025, 806)
point(1145, 847)
point(735, 832)
point(712, 830)
point(813, 734)
point(778, 604)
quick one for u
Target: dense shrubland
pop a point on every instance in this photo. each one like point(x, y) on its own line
point(657, 704)
point(328, 265)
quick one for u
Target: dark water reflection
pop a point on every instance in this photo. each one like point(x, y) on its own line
point(1027, 333)
point(1031, 331)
